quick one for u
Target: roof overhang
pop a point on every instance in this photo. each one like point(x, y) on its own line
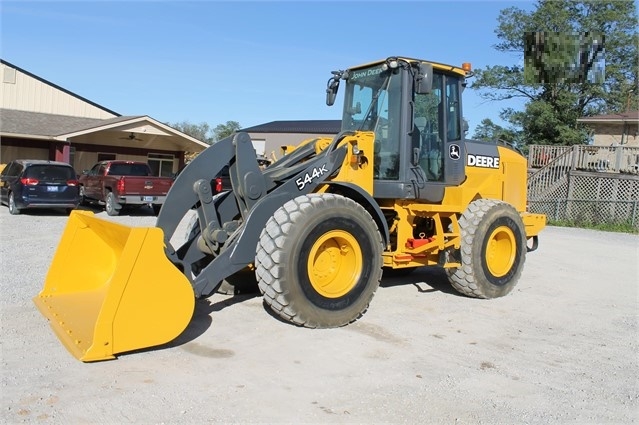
point(610, 119)
point(145, 131)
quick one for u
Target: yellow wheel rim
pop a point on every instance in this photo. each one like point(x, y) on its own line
point(501, 251)
point(335, 264)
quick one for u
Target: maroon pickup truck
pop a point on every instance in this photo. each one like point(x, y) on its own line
point(116, 184)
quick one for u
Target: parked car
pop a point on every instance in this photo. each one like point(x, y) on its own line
point(119, 184)
point(34, 183)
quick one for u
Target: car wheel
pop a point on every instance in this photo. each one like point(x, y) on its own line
point(82, 197)
point(110, 204)
point(13, 208)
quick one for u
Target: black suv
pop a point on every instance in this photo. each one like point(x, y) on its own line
point(34, 183)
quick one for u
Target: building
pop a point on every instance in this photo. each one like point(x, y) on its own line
point(40, 120)
point(614, 129)
point(270, 137)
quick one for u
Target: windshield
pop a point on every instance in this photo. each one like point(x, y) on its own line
point(372, 103)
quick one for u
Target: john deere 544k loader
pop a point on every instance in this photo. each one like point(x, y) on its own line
point(397, 188)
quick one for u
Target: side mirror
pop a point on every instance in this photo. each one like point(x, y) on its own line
point(424, 79)
point(416, 156)
point(332, 86)
point(331, 89)
point(330, 96)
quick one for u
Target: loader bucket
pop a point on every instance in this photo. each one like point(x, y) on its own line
point(111, 289)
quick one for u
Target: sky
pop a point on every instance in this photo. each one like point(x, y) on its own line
point(250, 62)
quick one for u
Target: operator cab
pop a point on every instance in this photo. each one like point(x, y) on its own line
point(414, 109)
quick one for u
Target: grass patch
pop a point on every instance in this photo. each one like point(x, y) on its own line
point(606, 227)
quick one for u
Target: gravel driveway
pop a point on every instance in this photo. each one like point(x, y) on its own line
point(561, 348)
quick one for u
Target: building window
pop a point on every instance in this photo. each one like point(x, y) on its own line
point(161, 164)
point(105, 156)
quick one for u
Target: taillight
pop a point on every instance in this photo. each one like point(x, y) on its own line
point(121, 185)
point(72, 182)
point(218, 185)
point(29, 181)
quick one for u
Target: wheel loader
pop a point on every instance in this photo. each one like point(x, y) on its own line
point(398, 188)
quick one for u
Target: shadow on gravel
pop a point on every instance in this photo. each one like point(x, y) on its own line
point(44, 212)
point(142, 211)
point(424, 279)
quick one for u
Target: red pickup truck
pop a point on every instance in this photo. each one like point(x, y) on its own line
point(116, 184)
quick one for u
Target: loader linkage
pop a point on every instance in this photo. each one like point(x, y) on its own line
point(231, 222)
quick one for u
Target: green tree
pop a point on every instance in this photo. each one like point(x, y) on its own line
point(488, 130)
point(201, 132)
point(557, 99)
point(224, 130)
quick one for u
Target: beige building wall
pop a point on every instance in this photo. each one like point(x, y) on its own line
point(23, 92)
point(22, 152)
point(613, 134)
point(274, 141)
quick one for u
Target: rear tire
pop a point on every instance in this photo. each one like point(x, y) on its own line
point(13, 208)
point(319, 261)
point(110, 204)
point(492, 252)
point(156, 209)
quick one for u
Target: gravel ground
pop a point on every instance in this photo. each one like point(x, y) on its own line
point(561, 348)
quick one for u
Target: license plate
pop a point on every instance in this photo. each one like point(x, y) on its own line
point(52, 188)
point(147, 198)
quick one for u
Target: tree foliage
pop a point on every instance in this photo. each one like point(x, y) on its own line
point(554, 103)
point(203, 131)
point(487, 130)
point(224, 130)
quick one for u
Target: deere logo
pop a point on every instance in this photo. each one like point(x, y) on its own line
point(483, 161)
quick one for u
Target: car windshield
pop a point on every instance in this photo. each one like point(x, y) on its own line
point(48, 172)
point(128, 170)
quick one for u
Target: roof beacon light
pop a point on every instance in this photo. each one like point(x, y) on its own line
point(467, 67)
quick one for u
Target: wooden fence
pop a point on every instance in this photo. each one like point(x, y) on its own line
point(585, 184)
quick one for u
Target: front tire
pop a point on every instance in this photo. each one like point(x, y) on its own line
point(492, 252)
point(13, 208)
point(110, 204)
point(319, 261)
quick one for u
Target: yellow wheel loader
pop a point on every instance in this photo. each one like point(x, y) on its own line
point(398, 188)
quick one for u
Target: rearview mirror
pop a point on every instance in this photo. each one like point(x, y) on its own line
point(424, 78)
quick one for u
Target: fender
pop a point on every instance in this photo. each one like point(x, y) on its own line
point(362, 197)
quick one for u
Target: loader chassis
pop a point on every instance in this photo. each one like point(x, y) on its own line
point(398, 188)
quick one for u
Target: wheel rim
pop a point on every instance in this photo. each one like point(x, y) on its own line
point(109, 203)
point(12, 203)
point(501, 251)
point(335, 264)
